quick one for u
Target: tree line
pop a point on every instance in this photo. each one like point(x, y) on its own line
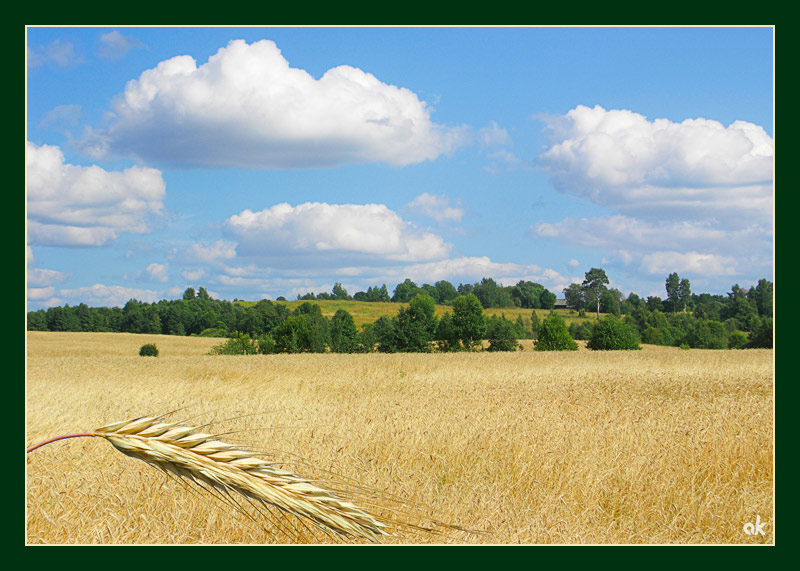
point(525, 294)
point(741, 319)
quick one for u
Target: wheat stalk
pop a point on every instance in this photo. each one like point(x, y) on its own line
point(229, 469)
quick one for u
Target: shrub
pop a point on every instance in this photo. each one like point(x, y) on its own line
point(684, 347)
point(553, 335)
point(612, 334)
point(148, 350)
point(501, 334)
point(239, 345)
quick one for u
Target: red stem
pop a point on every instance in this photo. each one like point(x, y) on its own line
point(49, 440)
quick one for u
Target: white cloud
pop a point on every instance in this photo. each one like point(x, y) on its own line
point(62, 116)
point(70, 205)
point(436, 207)
point(42, 277)
point(472, 269)
point(157, 272)
point(215, 253)
point(40, 293)
point(193, 274)
point(247, 107)
point(100, 295)
point(60, 53)
point(493, 136)
point(692, 246)
point(697, 168)
point(116, 46)
point(690, 262)
point(330, 232)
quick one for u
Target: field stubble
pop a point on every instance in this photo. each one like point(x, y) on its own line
point(651, 446)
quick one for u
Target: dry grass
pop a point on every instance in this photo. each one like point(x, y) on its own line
point(652, 446)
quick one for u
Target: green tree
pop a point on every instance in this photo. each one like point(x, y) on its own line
point(761, 335)
point(534, 324)
point(447, 291)
point(62, 319)
point(527, 294)
point(672, 285)
point(189, 294)
point(383, 334)
point(575, 296)
point(762, 297)
point(37, 320)
point(684, 294)
point(501, 334)
point(468, 320)
point(343, 332)
point(447, 339)
point(431, 291)
point(339, 292)
point(415, 325)
point(609, 302)
point(491, 294)
point(613, 334)
point(654, 303)
point(740, 308)
point(595, 286)
point(405, 292)
point(553, 335)
point(547, 299)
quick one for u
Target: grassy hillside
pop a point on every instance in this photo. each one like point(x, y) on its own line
point(368, 311)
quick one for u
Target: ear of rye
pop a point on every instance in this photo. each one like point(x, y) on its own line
point(188, 453)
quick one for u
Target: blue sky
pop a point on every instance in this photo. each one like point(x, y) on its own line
point(260, 162)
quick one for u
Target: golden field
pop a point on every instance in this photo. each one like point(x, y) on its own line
point(653, 446)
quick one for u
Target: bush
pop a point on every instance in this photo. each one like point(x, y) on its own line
point(148, 350)
point(553, 335)
point(612, 334)
point(239, 345)
point(501, 334)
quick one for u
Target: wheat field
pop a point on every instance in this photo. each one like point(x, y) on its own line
point(657, 446)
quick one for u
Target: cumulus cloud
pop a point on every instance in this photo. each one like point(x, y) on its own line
point(330, 232)
point(70, 205)
point(247, 107)
point(436, 207)
point(696, 168)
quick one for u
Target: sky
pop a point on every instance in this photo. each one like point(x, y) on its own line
point(264, 162)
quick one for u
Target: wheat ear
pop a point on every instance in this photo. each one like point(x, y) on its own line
point(201, 458)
